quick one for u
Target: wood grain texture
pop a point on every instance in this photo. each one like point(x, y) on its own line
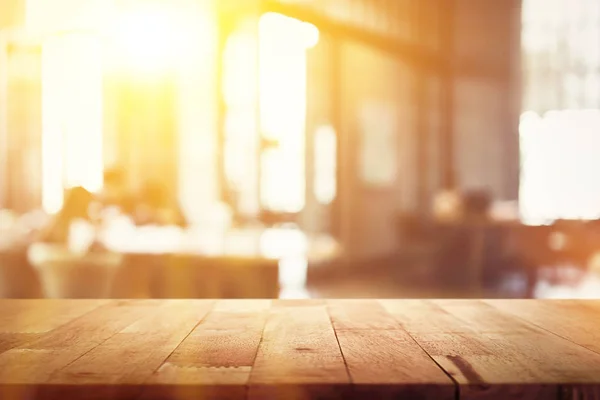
point(35, 362)
point(299, 349)
point(26, 368)
point(389, 364)
point(12, 340)
point(39, 316)
point(299, 357)
point(382, 359)
point(421, 316)
point(506, 357)
point(360, 314)
point(215, 360)
point(122, 363)
point(559, 317)
point(127, 343)
point(570, 319)
point(482, 318)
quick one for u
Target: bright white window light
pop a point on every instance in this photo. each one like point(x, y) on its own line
point(325, 164)
point(151, 37)
point(560, 159)
point(72, 116)
point(82, 41)
point(284, 42)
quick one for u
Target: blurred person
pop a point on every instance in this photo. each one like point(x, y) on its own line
point(76, 207)
point(82, 205)
point(115, 191)
point(155, 206)
point(68, 254)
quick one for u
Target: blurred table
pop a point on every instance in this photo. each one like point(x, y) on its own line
point(173, 263)
point(299, 349)
point(17, 278)
point(244, 263)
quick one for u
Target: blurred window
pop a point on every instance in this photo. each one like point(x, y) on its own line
point(561, 52)
point(265, 160)
point(560, 125)
point(560, 158)
point(284, 42)
point(72, 116)
point(20, 122)
point(240, 130)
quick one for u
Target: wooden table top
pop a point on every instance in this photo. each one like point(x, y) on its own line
point(299, 349)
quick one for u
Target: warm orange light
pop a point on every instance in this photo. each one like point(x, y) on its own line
point(72, 116)
point(152, 39)
point(144, 40)
point(281, 48)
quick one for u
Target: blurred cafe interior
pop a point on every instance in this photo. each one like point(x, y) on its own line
point(299, 148)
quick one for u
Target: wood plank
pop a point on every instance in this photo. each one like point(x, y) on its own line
point(259, 349)
point(573, 320)
point(243, 306)
point(483, 318)
point(121, 364)
point(39, 316)
point(284, 303)
point(421, 316)
point(495, 363)
point(389, 364)
point(12, 340)
point(95, 327)
point(382, 359)
point(299, 357)
point(559, 317)
point(198, 383)
point(35, 362)
point(359, 314)
point(215, 360)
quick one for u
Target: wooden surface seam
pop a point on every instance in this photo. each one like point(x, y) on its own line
point(299, 349)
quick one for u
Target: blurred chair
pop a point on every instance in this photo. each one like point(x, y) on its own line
point(65, 274)
point(476, 253)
